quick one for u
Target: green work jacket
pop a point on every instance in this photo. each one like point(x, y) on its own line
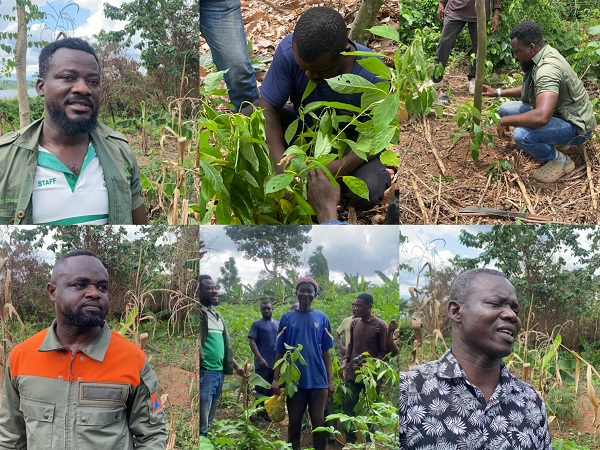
point(18, 163)
point(104, 396)
point(228, 360)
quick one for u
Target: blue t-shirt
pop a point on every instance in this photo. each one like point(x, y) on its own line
point(313, 331)
point(264, 333)
point(285, 80)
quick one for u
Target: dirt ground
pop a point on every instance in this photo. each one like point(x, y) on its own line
point(427, 154)
point(426, 200)
point(176, 383)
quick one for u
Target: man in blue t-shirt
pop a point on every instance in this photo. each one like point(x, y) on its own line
point(312, 52)
point(311, 328)
point(261, 337)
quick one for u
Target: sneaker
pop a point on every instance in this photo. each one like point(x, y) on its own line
point(472, 86)
point(554, 170)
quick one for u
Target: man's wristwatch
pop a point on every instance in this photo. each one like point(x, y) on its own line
point(499, 91)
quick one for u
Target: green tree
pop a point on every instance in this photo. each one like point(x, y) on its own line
point(230, 280)
point(169, 36)
point(278, 247)
point(317, 263)
point(549, 266)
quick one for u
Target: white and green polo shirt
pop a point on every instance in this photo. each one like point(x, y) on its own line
point(62, 198)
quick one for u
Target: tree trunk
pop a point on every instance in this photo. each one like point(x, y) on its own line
point(21, 65)
point(365, 18)
point(481, 54)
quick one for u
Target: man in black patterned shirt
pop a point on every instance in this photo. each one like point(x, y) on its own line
point(467, 399)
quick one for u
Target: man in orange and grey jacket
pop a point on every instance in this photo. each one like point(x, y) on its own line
point(77, 384)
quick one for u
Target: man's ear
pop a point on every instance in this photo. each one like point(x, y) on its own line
point(348, 47)
point(455, 310)
point(51, 290)
point(39, 87)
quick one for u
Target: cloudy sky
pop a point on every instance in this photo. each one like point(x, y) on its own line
point(351, 249)
point(83, 22)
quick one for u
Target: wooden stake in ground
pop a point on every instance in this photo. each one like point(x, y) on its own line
point(588, 167)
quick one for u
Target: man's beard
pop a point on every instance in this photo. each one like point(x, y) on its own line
point(72, 127)
point(527, 66)
point(80, 318)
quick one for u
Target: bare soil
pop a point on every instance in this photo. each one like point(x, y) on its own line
point(176, 383)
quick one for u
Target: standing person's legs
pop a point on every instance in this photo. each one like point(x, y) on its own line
point(211, 385)
point(222, 26)
point(317, 401)
point(296, 406)
point(473, 33)
point(268, 375)
point(350, 401)
point(450, 32)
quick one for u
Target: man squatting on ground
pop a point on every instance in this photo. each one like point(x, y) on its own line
point(67, 168)
point(77, 384)
point(312, 52)
point(467, 398)
point(309, 327)
point(554, 110)
point(216, 353)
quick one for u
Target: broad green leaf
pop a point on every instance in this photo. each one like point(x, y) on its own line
point(386, 31)
point(291, 130)
point(364, 53)
point(376, 66)
point(248, 177)
point(351, 84)
point(212, 175)
point(309, 88)
point(389, 158)
point(278, 182)
point(304, 206)
point(257, 380)
point(382, 140)
point(211, 82)
point(385, 112)
point(314, 106)
point(286, 206)
point(249, 154)
point(323, 144)
point(594, 31)
point(357, 186)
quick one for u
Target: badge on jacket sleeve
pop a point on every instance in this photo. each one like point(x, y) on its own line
point(156, 403)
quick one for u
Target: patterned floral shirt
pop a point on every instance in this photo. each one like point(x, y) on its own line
point(441, 410)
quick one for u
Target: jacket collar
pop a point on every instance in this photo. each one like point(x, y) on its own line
point(95, 349)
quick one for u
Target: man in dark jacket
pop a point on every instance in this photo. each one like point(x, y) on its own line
point(216, 355)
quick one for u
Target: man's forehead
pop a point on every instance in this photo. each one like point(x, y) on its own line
point(80, 263)
point(482, 282)
point(66, 58)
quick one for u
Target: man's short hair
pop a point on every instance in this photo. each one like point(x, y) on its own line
point(266, 302)
point(527, 33)
point(367, 298)
point(63, 259)
point(201, 278)
point(464, 284)
point(71, 43)
point(320, 30)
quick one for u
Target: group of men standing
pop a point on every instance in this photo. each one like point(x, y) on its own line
point(269, 340)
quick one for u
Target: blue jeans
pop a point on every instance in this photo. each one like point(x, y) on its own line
point(540, 142)
point(222, 26)
point(211, 385)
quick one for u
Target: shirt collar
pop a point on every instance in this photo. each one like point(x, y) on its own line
point(450, 368)
point(538, 56)
point(95, 349)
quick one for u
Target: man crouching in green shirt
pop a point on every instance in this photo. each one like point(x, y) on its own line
point(68, 168)
point(216, 354)
point(554, 110)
